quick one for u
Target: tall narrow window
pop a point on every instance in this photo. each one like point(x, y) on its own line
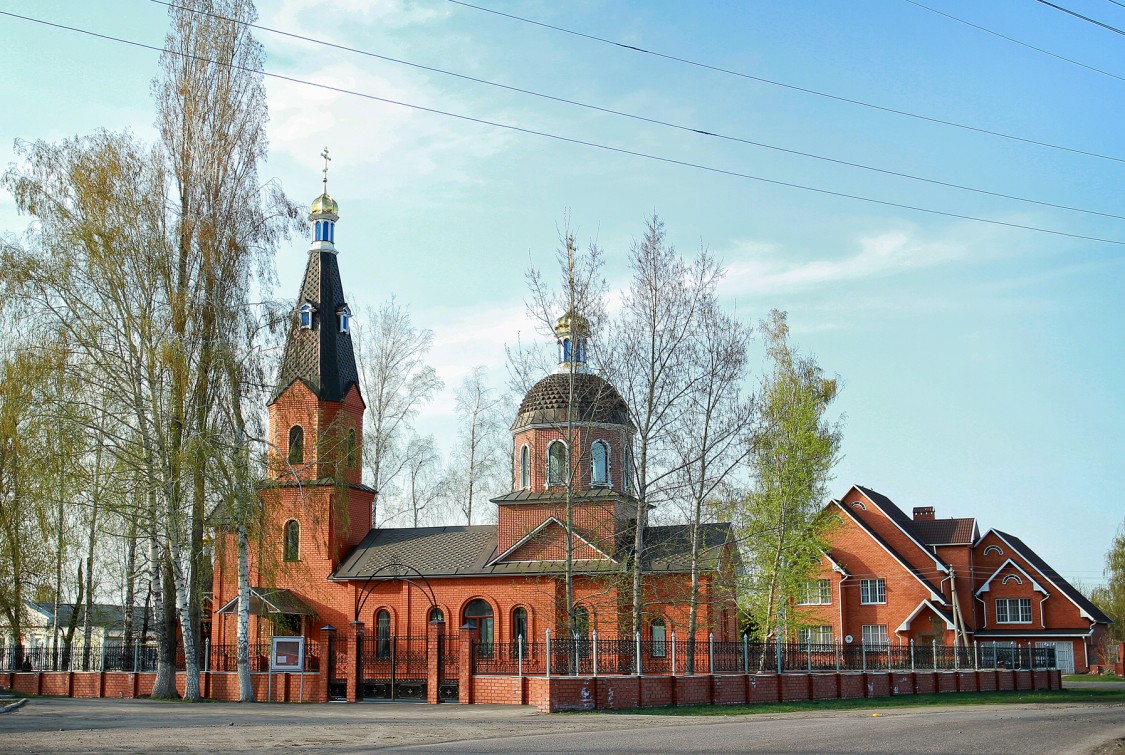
point(481, 612)
point(627, 473)
point(353, 452)
point(292, 540)
point(345, 315)
point(383, 634)
point(557, 463)
point(599, 472)
point(525, 468)
point(519, 625)
point(659, 638)
point(296, 444)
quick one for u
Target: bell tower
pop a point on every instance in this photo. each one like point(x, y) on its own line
point(316, 412)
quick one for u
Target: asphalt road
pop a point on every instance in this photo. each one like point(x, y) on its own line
point(59, 725)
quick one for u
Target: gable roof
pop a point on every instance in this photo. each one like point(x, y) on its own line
point(988, 582)
point(551, 520)
point(940, 612)
point(903, 522)
point(1091, 611)
point(101, 614)
point(472, 551)
point(935, 593)
point(952, 531)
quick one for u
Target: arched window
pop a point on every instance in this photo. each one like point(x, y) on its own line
point(557, 463)
point(659, 638)
point(344, 314)
point(383, 634)
point(353, 452)
point(525, 468)
point(566, 350)
point(292, 540)
point(599, 468)
point(319, 230)
point(628, 472)
point(994, 549)
point(519, 625)
point(331, 232)
point(581, 621)
point(436, 614)
point(296, 444)
point(480, 612)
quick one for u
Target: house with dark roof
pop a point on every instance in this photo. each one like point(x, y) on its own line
point(898, 579)
point(319, 567)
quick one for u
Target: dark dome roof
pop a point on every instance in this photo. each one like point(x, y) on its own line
point(595, 400)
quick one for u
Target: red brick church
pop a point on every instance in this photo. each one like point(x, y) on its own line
point(319, 562)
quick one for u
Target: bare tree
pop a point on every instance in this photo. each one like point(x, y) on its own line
point(424, 484)
point(396, 382)
point(476, 465)
point(649, 341)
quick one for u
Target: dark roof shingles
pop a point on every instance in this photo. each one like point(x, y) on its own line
point(1045, 569)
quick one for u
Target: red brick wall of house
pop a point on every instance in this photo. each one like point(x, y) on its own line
point(593, 520)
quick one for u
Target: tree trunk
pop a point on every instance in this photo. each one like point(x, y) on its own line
point(245, 683)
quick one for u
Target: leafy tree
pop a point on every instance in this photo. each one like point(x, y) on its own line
point(1111, 597)
point(791, 458)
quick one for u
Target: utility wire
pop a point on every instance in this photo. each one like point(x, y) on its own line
point(1013, 40)
point(646, 119)
point(826, 95)
point(567, 139)
point(1113, 29)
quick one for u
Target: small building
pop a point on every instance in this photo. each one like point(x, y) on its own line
point(319, 562)
point(889, 578)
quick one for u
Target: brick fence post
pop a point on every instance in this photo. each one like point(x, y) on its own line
point(327, 660)
point(468, 633)
point(355, 663)
point(434, 658)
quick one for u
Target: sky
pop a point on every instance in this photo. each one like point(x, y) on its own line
point(981, 362)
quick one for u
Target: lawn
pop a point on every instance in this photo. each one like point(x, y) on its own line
point(904, 701)
point(1093, 678)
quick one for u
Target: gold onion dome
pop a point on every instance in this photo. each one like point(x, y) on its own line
point(324, 205)
point(572, 324)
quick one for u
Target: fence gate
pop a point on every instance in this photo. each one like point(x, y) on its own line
point(394, 668)
point(1064, 654)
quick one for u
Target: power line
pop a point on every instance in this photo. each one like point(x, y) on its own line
point(1113, 29)
point(646, 119)
point(1013, 40)
point(572, 140)
point(826, 95)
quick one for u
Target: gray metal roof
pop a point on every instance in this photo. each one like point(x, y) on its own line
point(322, 358)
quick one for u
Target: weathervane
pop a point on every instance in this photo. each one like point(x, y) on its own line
point(324, 154)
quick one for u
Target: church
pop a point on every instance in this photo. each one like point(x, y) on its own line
point(319, 567)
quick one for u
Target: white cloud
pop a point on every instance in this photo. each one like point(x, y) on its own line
point(754, 267)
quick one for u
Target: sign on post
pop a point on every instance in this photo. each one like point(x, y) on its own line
point(288, 654)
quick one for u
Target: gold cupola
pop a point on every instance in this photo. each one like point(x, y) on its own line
point(571, 332)
point(323, 214)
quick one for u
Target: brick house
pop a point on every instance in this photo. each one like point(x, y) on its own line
point(893, 578)
point(319, 561)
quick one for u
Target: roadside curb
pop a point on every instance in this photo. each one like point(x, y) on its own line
point(13, 706)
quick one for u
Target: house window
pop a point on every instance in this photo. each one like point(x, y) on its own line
point(292, 540)
point(659, 638)
point(296, 444)
point(481, 612)
point(818, 592)
point(872, 591)
point(557, 463)
point(519, 625)
point(383, 634)
point(525, 468)
point(306, 315)
point(353, 452)
point(628, 470)
point(874, 634)
point(821, 635)
point(345, 316)
point(599, 473)
point(1013, 610)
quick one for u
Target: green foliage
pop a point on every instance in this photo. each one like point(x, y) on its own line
point(1111, 598)
point(791, 458)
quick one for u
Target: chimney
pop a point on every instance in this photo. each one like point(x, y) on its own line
point(923, 513)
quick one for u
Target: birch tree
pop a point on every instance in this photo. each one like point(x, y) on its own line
point(795, 447)
point(476, 465)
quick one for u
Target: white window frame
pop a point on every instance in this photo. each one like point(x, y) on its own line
point(605, 481)
point(551, 482)
point(305, 315)
point(819, 635)
point(818, 592)
point(525, 467)
point(1013, 606)
point(869, 631)
point(879, 586)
